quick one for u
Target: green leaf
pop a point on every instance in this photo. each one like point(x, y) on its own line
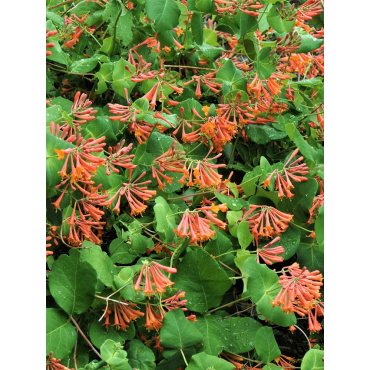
point(250, 180)
point(140, 356)
point(244, 235)
point(61, 335)
point(277, 23)
point(53, 165)
point(58, 55)
point(263, 287)
point(84, 65)
point(232, 76)
point(165, 219)
point(205, 6)
point(108, 44)
point(212, 329)
point(177, 332)
point(312, 360)
point(197, 28)
point(100, 126)
point(264, 67)
point(124, 28)
point(98, 334)
point(319, 228)
point(220, 245)
point(247, 23)
point(233, 204)
point(72, 283)
point(304, 193)
point(290, 240)
point(121, 252)
point(122, 77)
point(164, 13)
point(202, 361)
point(311, 256)
point(203, 280)
point(112, 353)
point(307, 150)
point(239, 333)
point(210, 37)
point(309, 43)
point(100, 261)
point(266, 346)
point(263, 134)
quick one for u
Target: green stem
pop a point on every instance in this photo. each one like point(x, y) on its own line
point(234, 146)
point(194, 148)
point(115, 29)
point(229, 304)
point(310, 231)
point(183, 356)
point(223, 254)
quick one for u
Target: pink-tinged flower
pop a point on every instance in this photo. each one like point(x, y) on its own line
point(318, 201)
point(50, 44)
point(195, 227)
point(265, 221)
point(120, 158)
point(300, 284)
point(270, 255)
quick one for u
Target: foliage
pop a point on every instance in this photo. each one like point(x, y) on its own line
point(185, 186)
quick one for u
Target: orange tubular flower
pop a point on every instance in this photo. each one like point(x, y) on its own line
point(267, 222)
point(132, 191)
point(318, 201)
point(124, 314)
point(195, 227)
point(235, 360)
point(153, 319)
point(153, 276)
point(284, 362)
point(50, 44)
point(269, 255)
point(120, 158)
point(301, 284)
point(172, 303)
point(54, 364)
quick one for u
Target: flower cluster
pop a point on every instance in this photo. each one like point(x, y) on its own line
point(153, 276)
point(265, 221)
point(300, 293)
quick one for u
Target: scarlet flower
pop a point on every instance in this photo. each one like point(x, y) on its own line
point(50, 44)
point(53, 364)
point(283, 361)
point(48, 245)
point(270, 255)
point(120, 158)
point(124, 313)
point(235, 360)
point(195, 227)
point(317, 202)
point(172, 303)
point(267, 222)
point(153, 276)
point(301, 284)
point(153, 319)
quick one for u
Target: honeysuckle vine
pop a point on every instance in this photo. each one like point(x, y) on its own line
point(185, 184)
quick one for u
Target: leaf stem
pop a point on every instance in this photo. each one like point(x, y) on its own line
point(85, 337)
point(183, 356)
point(229, 304)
